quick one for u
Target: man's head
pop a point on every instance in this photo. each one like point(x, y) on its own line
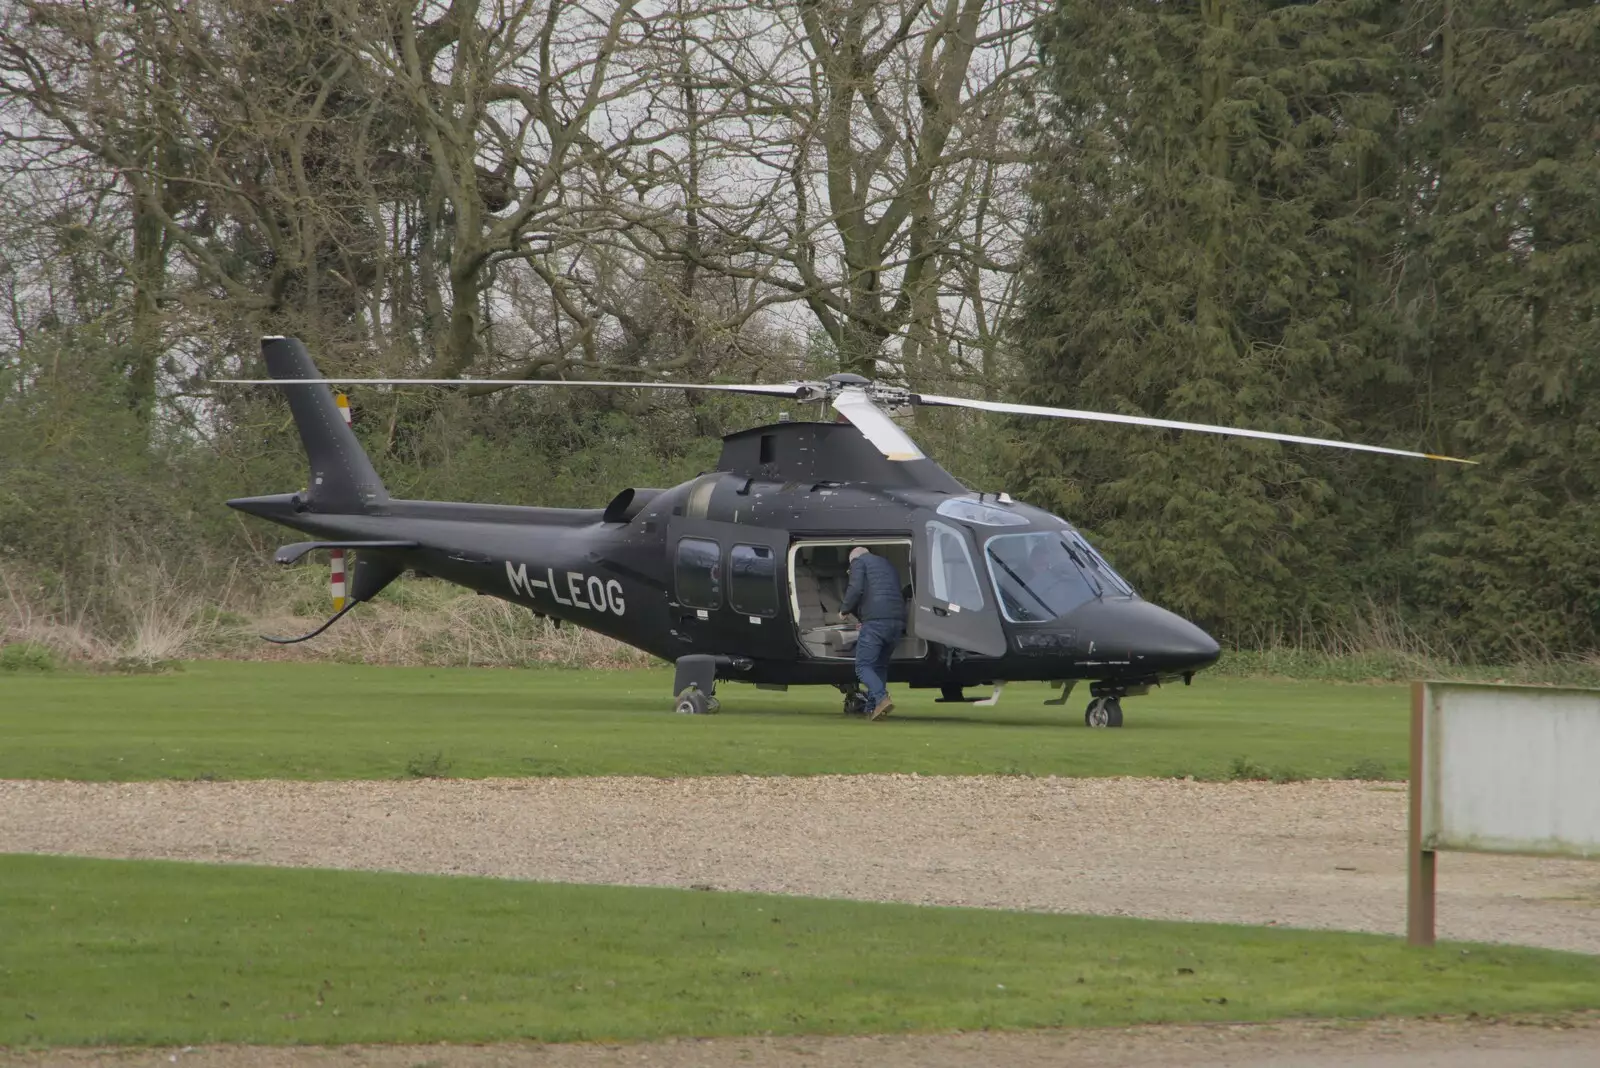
point(859, 550)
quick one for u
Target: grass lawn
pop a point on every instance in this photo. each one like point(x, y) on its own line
point(118, 952)
point(328, 721)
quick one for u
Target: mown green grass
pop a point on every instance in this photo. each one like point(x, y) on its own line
point(117, 952)
point(327, 721)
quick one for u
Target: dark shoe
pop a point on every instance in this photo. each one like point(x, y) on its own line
point(881, 709)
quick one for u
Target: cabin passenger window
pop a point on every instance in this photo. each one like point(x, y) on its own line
point(954, 579)
point(699, 573)
point(753, 580)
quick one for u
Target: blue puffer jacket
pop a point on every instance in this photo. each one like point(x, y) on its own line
point(874, 590)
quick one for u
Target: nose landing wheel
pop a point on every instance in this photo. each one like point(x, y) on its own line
point(1103, 712)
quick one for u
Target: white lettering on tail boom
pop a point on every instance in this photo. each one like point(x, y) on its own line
point(589, 592)
point(520, 582)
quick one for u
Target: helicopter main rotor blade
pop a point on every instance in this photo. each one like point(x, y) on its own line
point(796, 390)
point(1170, 424)
point(875, 424)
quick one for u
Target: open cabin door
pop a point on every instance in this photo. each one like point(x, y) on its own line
point(952, 604)
point(819, 576)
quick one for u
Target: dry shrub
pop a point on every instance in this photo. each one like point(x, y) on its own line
point(1376, 642)
point(25, 621)
point(163, 617)
point(138, 615)
point(139, 612)
point(426, 621)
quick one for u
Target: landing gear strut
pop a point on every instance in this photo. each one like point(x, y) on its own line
point(1103, 712)
point(695, 684)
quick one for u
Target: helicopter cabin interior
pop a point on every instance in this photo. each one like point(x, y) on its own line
point(819, 572)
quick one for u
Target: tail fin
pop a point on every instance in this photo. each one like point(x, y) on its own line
point(342, 478)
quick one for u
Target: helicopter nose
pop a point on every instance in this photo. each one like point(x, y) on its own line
point(1144, 633)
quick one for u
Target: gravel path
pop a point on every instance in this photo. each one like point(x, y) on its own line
point(1318, 854)
point(1572, 1043)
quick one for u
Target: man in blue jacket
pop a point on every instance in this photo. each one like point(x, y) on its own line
point(874, 598)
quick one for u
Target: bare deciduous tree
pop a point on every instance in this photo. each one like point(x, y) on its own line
point(497, 186)
point(891, 204)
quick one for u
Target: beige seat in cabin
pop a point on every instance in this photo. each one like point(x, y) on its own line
point(820, 579)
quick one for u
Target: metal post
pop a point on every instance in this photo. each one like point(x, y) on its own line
point(1421, 872)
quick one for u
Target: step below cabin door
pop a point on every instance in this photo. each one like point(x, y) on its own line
point(952, 604)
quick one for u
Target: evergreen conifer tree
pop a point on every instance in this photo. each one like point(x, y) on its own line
point(1218, 200)
point(1510, 565)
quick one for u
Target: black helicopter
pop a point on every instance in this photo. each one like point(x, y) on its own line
point(739, 574)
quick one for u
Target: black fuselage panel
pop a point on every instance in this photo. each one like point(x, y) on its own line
point(826, 452)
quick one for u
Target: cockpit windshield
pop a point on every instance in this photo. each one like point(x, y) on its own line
point(1044, 575)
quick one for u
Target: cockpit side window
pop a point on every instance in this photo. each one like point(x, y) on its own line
point(954, 579)
point(1044, 575)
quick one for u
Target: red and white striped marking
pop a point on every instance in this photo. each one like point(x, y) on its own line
point(336, 558)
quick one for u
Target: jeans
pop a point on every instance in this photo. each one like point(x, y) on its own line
point(874, 646)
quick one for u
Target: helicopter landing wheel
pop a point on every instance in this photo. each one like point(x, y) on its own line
point(691, 702)
point(855, 703)
point(1103, 712)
